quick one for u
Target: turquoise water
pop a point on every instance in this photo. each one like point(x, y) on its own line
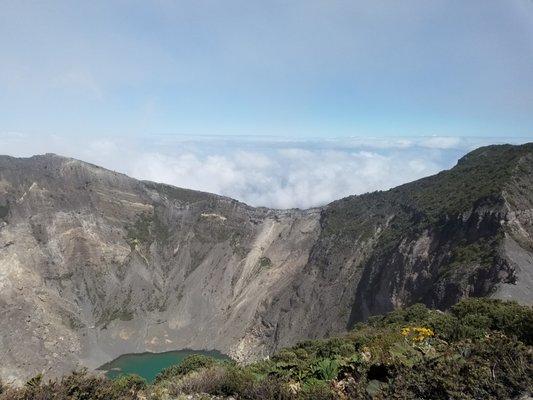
point(148, 365)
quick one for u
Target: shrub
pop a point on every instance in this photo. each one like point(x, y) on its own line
point(470, 318)
point(265, 262)
point(220, 380)
point(127, 384)
point(479, 350)
point(317, 390)
point(417, 333)
point(203, 381)
point(4, 211)
point(35, 382)
point(269, 388)
point(326, 369)
point(191, 363)
point(490, 314)
point(495, 367)
point(77, 386)
point(235, 380)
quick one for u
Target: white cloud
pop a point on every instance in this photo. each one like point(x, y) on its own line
point(285, 178)
point(268, 172)
point(441, 142)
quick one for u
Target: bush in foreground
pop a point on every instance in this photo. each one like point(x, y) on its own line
point(191, 363)
point(78, 386)
point(480, 349)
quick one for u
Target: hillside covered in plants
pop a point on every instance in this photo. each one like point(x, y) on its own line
point(480, 349)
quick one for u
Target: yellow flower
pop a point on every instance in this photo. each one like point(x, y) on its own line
point(417, 333)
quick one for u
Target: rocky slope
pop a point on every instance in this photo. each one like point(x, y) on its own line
point(94, 264)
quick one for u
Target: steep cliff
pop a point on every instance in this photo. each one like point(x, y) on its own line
point(94, 264)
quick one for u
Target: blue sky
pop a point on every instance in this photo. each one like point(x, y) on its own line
point(300, 68)
point(282, 103)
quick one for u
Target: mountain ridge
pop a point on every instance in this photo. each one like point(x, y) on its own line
point(114, 265)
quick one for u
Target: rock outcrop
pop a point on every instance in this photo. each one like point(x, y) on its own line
point(94, 264)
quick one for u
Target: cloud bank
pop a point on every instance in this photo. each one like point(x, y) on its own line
point(266, 171)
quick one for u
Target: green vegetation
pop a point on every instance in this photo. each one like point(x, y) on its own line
point(111, 315)
point(147, 228)
point(236, 245)
point(459, 209)
point(189, 364)
point(139, 232)
point(265, 262)
point(483, 251)
point(480, 349)
point(479, 176)
point(4, 211)
point(77, 386)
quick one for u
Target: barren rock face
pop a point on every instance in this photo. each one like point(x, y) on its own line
point(94, 264)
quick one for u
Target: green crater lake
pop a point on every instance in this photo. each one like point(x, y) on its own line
point(148, 365)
